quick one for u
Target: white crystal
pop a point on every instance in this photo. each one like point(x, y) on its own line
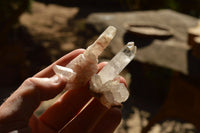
point(118, 63)
point(96, 84)
point(85, 65)
point(104, 82)
point(121, 94)
point(102, 42)
point(67, 72)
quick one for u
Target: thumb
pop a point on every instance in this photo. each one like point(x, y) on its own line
point(45, 88)
point(16, 111)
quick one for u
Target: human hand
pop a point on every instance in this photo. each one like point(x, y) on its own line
point(71, 113)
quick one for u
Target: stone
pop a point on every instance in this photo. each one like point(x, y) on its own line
point(68, 73)
point(102, 42)
point(168, 52)
point(118, 63)
point(193, 32)
point(49, 26)
point(149, 30)
point(194, 39)
point(80, 70)
point(105, 84)
point(47, 19)
point(105, 81)
point(196, 47)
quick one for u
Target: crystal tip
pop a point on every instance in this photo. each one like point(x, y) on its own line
point(110, 31)
point(130, 49)
point(131, 46)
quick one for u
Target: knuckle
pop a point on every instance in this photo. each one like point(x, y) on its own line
point(29, 81)
point(29, 86)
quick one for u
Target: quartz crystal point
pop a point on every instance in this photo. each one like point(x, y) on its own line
point(80, 70)
point(105, 83)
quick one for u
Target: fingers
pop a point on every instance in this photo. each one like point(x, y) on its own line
point(65, 108)
point(122, 80)
point(87, 119)
point(101, 65)
point(63, 61)
point(109, 121)
point(94, 118)
point(38, 127)
point(19, 107)
point(47, 88)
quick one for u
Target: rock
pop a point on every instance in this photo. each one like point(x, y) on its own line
point(48, 24)
point(193, 32)
point(196, 47)
point(194, 39)
point(169, 52)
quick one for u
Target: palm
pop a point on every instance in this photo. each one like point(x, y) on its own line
point(75, 111)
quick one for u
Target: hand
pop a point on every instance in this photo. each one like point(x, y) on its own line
point(72, 113)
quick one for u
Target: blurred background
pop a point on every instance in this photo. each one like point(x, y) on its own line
point(164, 78)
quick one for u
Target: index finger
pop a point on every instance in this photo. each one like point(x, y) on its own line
point(63, 61)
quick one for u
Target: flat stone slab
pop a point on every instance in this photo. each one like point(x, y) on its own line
point(170, 52)
point(49, 24)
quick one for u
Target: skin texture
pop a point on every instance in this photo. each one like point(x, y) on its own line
point(75, 111)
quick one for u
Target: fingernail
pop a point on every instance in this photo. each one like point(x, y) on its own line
point(54, 79)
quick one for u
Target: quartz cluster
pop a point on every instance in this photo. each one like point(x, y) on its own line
point(105, 85)
point(106, 81)
point(80, 70)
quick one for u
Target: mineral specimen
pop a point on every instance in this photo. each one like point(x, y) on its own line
point(105, 85)
point(80, 70)
point(105, 82)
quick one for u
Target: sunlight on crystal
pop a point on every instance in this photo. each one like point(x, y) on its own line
point(105, 81)
point(102, 42)
point(118, 63)
point(84, 66)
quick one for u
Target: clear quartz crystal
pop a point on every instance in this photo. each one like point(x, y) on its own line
point(104, 82)
point(118, 63)
point(102, 42)
point(84, 68)
point(80, 70)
